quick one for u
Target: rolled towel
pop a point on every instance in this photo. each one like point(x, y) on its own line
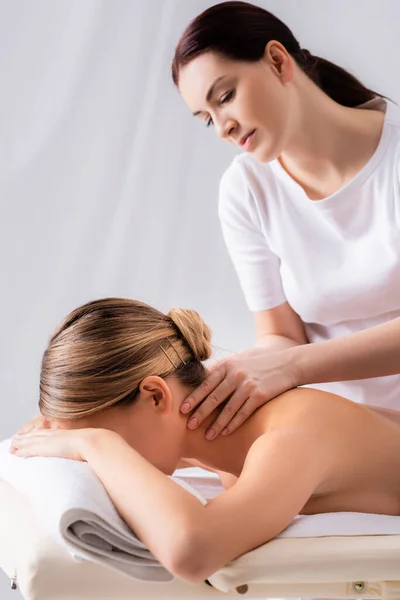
point(75, 509)
point(342, 524)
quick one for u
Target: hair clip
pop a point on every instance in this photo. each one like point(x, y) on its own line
point(175, 367)
point(176, 352)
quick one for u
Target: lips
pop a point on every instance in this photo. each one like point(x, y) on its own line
point(243, 140)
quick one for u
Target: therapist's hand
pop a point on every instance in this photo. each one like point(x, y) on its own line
point(248, 380)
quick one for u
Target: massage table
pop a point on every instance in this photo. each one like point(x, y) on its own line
point(317, 567)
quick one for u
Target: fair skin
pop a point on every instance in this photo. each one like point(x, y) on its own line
point(322, 145)
point(306, 452)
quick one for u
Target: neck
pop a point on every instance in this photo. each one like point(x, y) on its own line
point(328, 140)
point(224, 453)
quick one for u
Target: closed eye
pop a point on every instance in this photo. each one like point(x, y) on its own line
point(229, 96)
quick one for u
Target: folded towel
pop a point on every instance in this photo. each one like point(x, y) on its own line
point(75, 509)
point(342, 524)
point(206, 483)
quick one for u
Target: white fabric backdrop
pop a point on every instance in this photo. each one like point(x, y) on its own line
point(108, 186)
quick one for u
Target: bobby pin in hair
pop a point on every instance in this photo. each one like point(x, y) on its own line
point(176, 352)
point(175, 367)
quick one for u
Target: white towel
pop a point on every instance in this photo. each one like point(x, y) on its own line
point(342, 524)
point(76, 510)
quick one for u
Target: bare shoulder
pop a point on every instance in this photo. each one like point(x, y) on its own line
point(310, 406)
point(288, 463)
point(307, 421)
point(302, 442)
point(312, 397)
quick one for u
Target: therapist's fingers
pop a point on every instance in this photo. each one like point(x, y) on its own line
point(214, 399)
point(217, 396)
point(207, 386)
point(235, 411)
point(216, 364)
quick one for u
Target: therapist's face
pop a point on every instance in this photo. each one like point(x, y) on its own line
point(249, 102)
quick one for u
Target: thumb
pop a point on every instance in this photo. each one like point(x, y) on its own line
point(216, 364)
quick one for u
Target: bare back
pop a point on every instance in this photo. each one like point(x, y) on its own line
point(364, 445)
point(306, 452)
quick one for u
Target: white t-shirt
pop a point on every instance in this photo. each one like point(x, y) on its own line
point(336, 261)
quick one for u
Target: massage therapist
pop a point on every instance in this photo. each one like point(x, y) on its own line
point(310, 212)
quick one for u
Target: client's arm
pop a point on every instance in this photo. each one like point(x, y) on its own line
point(282, 470)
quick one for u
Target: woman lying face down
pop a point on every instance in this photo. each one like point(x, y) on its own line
point(122, 365)
point(113, 377)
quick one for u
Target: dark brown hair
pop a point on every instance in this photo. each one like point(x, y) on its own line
point(102, 350)
point(240, 31)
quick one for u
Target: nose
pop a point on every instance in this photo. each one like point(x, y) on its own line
point(226, 129)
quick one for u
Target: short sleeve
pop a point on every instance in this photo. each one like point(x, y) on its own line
point(257, 267)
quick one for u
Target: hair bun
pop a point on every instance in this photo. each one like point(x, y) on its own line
point(193, 330)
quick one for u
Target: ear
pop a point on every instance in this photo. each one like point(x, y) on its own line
point(155, 390)
point(279, 59)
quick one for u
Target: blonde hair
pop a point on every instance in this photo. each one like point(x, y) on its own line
point(102, 350)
